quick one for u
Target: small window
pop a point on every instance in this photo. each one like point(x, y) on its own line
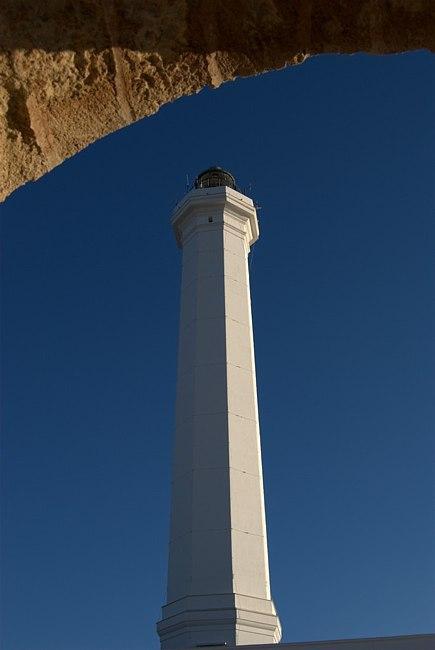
point(210, 219)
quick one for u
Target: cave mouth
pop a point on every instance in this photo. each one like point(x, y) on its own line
point(74, 72)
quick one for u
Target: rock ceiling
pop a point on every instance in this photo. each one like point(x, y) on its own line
point(72, 71)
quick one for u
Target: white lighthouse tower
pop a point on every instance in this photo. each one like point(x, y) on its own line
point(218, 577)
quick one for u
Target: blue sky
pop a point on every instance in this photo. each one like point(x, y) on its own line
point(339, 153)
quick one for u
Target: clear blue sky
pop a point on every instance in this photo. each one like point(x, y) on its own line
point(340, 155)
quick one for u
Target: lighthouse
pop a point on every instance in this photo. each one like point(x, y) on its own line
point(218, 590)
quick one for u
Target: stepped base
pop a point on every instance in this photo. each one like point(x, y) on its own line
point(228, 619)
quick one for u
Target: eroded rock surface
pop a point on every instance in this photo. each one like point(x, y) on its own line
point(72, 71)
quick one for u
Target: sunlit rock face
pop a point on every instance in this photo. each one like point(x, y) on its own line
point(74, 70)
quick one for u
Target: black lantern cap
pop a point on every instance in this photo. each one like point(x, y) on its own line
point(215, 177)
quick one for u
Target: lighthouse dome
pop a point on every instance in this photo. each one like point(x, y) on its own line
point(215, 177)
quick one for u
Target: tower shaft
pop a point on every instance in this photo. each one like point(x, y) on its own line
point(218, 577)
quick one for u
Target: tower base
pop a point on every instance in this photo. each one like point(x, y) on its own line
point(225, 619)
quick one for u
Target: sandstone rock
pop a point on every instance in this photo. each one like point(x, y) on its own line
point(72, 71)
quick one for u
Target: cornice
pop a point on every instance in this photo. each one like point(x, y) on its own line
point(207, 201)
